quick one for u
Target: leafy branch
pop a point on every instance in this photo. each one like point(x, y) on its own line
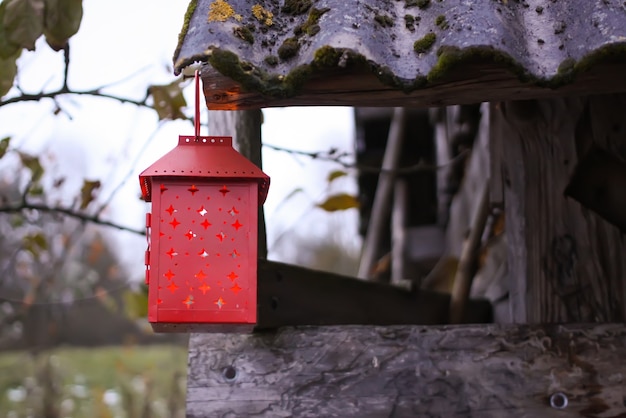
point(333, 155)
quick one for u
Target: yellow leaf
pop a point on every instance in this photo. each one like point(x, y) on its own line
point(87, 192)
point(136, 303)
point(8, 70)
point(32, 163)
point(335, 175)
point(4, 145)
point(341, 201)
point(169, 100)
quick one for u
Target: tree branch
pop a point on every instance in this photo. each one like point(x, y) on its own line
point(333, 155)
point(95, 219)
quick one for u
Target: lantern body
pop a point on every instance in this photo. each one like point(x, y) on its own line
point(201, 262)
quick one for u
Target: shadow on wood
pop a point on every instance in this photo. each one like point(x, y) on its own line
point(292, 295)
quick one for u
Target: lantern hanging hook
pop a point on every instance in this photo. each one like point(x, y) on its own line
point(197, 116)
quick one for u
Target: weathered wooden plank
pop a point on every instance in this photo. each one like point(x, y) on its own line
point(293, 295)
point(473, 83)
point(566, 262)
point(410, 371)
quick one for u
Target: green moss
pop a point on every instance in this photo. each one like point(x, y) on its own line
point(422, 4)
point(450, 58)
point(296, 78)
point(424, 44)
point(271, 60)
point(296, 7)
point(327, 57)
point(183, 31)
point(244, 32)
point(289, 48)
point(311, 27)
point(384, 21)
point(409, 21)
point(441, 22)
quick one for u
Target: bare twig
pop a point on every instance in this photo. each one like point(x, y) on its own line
point(333, 155)
point(95, 219)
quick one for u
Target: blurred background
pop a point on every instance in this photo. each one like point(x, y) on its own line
point(82, 115)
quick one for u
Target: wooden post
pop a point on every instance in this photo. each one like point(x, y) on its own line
point(410, 371)
point(245, 128)
point(566, 263)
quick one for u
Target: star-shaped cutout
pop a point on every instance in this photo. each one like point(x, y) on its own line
point(232, 275)
point(171, 210)
point(188, 301)
point(205, 224)
point(204, 288)
point(221, 236)
point(159, 301)
point(202, 211)
point(190, 235)
point(236, 225)
point(172, 253)
point(220, 302)
point(193, 189)
point(162, 188)
point(200, 275)
point(224, 190)
point(169, 274)
point(235, 288)
point(233, 211)
point(174, 223)
point(235, 254)
point(202, 253)
point(172, 287)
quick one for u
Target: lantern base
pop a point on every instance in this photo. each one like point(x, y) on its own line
point(201, 327)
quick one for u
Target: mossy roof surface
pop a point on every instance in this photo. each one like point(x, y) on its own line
point(543, 40)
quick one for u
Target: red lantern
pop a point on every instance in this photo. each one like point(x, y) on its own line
point(201, 262)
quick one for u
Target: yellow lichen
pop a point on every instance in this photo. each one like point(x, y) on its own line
point(220, 11)
point(262, 14)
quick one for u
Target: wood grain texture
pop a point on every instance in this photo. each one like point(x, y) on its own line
point(410, 371)
point(566, 263)
point(473, 83)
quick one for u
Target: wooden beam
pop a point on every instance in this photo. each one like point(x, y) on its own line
point(473, 83)
point(411, 371)
point(566, 262)
point(293, 295)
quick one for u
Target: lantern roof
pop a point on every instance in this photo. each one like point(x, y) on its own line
point(204, 157)
point(404, 53)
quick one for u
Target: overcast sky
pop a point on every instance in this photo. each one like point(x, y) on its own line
point(101, 139)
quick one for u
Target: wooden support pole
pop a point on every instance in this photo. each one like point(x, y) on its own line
point(380, 208)
point(486, 371)
point(245, 128)
point(469, 259)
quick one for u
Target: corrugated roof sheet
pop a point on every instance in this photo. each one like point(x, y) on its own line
point(273, 47)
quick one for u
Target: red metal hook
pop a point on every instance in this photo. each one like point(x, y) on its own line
point(197, 118)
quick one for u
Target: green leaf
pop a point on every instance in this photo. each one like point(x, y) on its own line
point(334, 175)
point(87, 192)
point(35, 243)
point(62, 21)
point(8, 71)
point(4, 145)
point(341, 201)
point(169, 100)
point(136, 303)
point(23, 22)
point(32, 163)
point(7, 48)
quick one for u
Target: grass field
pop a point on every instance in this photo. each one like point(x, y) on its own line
point(116, 382)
